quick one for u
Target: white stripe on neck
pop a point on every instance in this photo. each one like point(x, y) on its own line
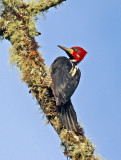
point(73, 60)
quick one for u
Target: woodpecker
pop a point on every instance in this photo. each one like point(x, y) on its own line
point(64, 77)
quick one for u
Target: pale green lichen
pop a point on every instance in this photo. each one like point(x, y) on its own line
point(17, 24)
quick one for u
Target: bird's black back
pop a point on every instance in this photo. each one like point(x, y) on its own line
point(64, 83)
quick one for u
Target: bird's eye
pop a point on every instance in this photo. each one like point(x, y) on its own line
point(75, 49)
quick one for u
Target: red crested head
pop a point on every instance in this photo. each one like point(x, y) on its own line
point(75, 53)
point(78, 53)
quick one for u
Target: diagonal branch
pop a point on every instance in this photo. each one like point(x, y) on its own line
point(43, 5)
point(18, 26)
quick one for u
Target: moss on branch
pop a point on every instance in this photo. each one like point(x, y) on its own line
point(17, 24)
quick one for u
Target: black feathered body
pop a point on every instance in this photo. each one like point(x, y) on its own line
point(65, 78)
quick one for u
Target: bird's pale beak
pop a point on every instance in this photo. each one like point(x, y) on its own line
point(68, 50)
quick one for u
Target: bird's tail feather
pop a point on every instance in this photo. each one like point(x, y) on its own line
point(67, 116)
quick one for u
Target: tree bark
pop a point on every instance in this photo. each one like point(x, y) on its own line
point(17, 24)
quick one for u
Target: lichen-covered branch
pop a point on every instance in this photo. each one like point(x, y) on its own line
point(42, 5)
point(17, 24)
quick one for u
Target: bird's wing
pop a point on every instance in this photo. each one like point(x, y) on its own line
point(64, 82)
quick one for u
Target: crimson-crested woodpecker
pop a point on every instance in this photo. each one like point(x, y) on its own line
point(64, 77)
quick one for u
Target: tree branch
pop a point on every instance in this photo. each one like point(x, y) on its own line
point(18, 26)
point(42, 5)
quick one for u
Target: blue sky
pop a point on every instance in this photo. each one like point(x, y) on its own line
point(95, 26)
